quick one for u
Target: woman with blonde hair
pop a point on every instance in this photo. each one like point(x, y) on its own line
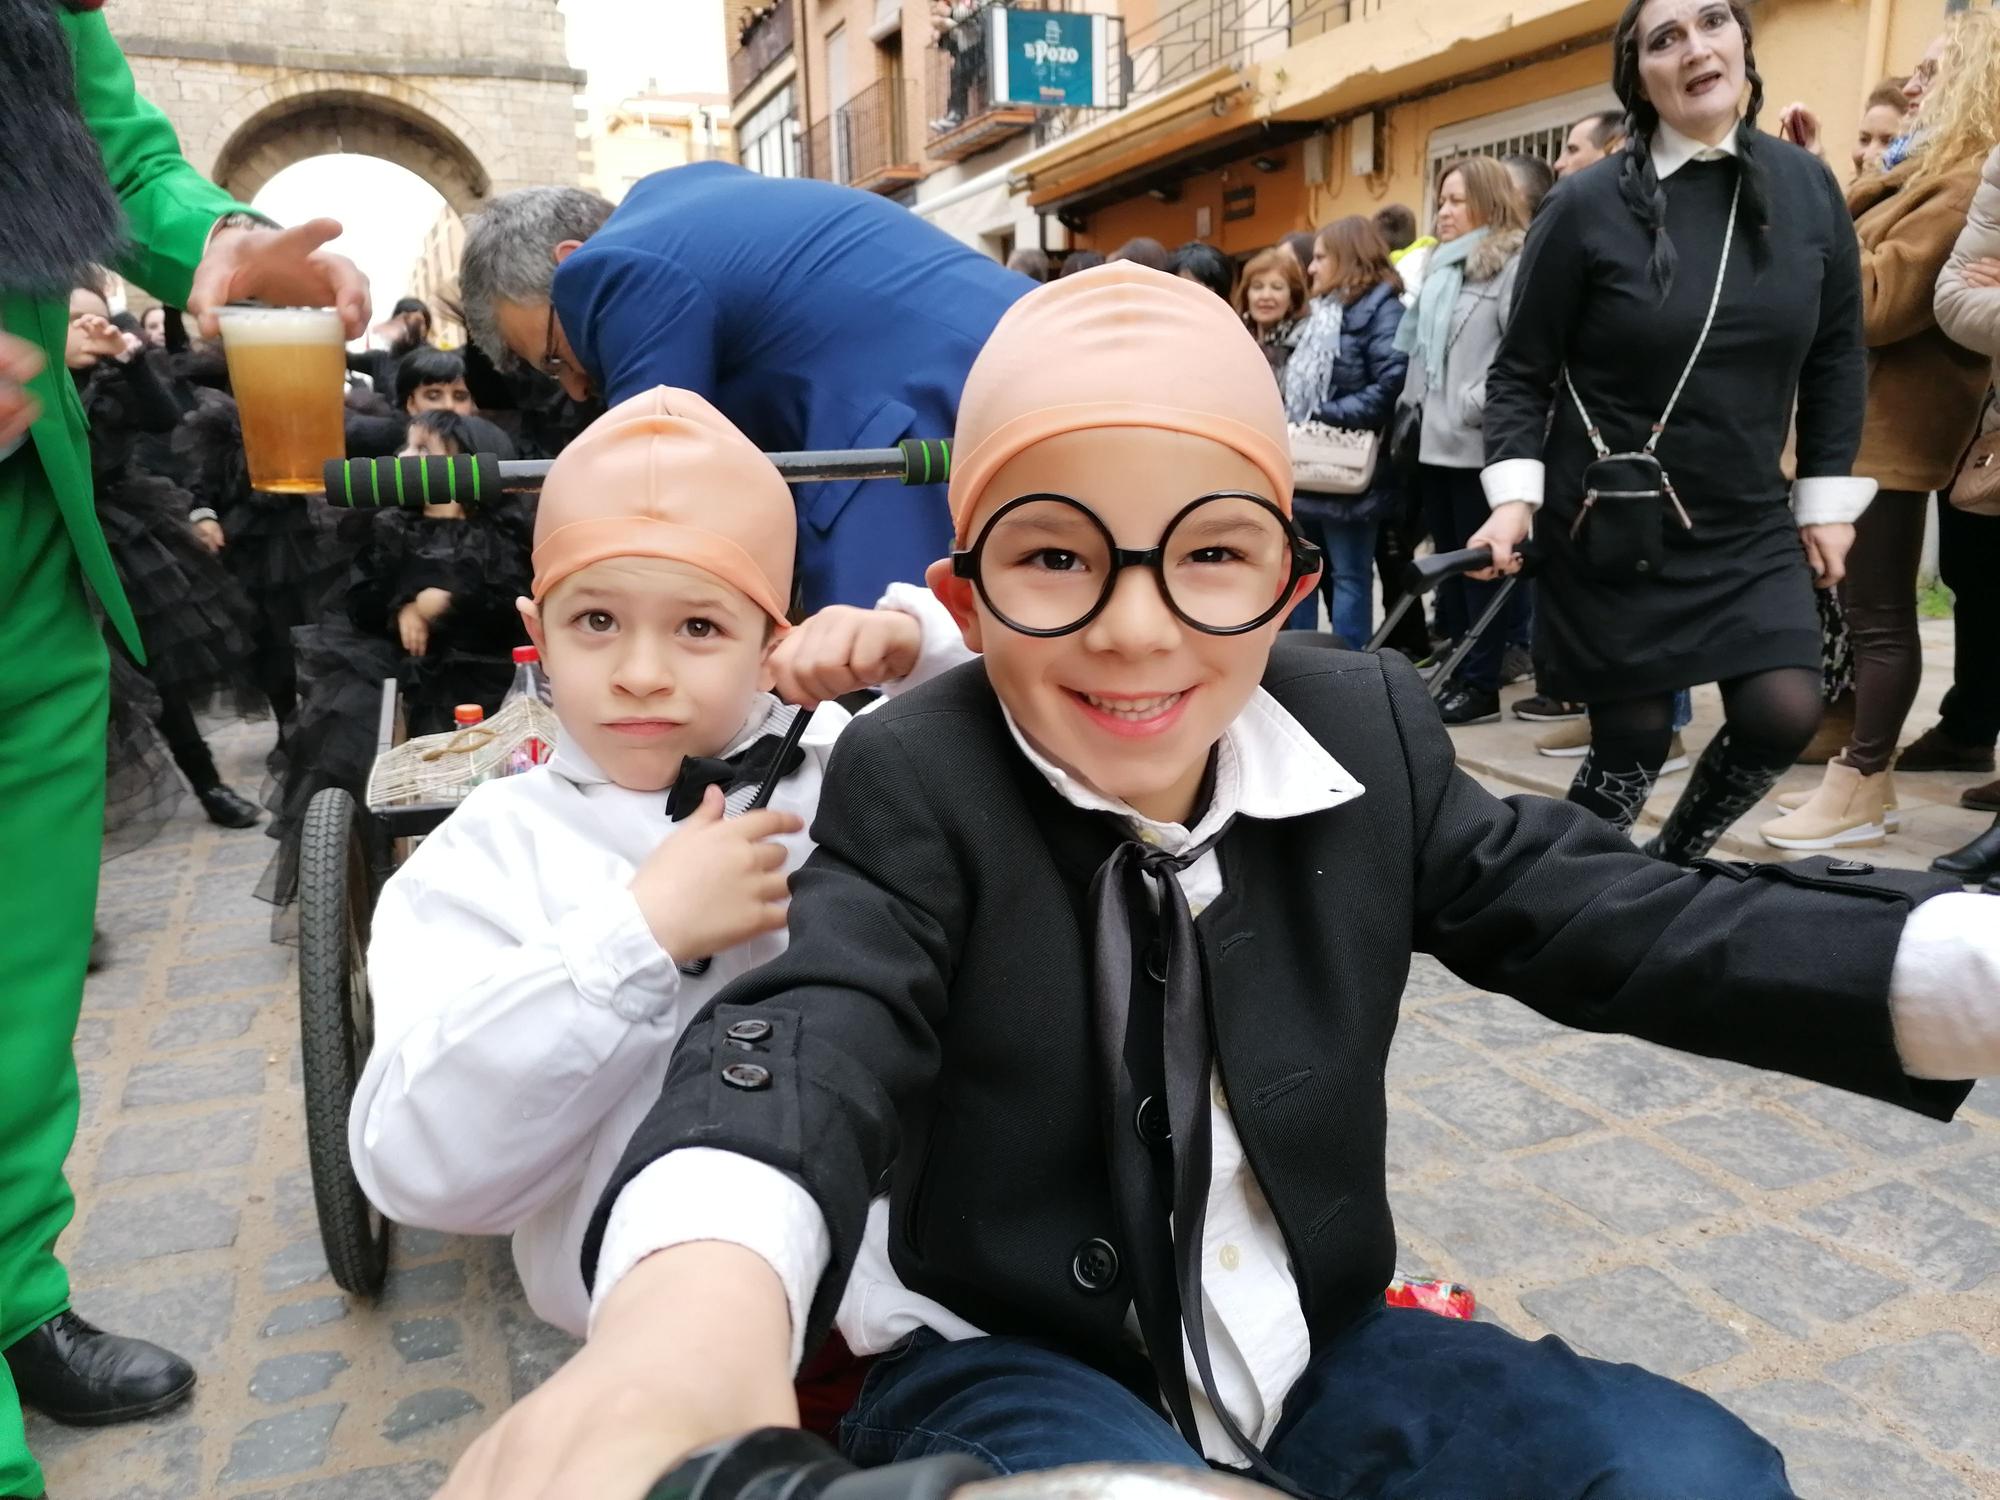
point(1272, 301)
point(1451, 337)
point(1924, 398)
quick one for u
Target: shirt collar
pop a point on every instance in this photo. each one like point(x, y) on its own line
point(1672, 150)
point(1266, 766)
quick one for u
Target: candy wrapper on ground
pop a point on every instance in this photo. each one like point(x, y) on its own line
point(1445, 1298)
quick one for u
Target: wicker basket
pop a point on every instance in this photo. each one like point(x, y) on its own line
point(442, 768)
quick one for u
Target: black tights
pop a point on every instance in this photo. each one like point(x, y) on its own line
point(1768, 719)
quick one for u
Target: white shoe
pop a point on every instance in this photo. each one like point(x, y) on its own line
point(1848, 811)
point(1892, 816)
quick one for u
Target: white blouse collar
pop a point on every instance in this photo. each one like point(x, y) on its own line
point(1672, 150)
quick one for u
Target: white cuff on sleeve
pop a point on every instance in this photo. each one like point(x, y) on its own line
point(1944, 991)
point(615, 961)
point(1831, 500)
point(1513, 480)
point(943, 643)
point(702, 1194)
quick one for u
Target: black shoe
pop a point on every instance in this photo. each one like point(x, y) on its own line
point(1992, 887)
point(100, 951)
point(228, 807)
point(1977, 861)
point(1982, 798)
point(1934, 750)
point(1542, 709)
point(82, 1376)
point(1470, 705)
point(1516, 665)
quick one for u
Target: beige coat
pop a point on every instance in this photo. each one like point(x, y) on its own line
point(1924, 391)
point(1970, 315)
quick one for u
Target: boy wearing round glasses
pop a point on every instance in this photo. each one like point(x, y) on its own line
point(1098, 964)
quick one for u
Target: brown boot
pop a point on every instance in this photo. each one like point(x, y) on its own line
point(1849, 811)
point(1982, 798)
point(1836, 728)
point(1934, 750)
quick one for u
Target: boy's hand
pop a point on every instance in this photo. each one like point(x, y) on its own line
point(211, 535)
point(414, 620)
point(717, 882)
point(842, 649)
point(690, 1348)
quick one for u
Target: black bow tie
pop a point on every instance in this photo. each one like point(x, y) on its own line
point(766, 761)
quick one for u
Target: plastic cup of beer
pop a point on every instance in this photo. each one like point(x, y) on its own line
point(288, 368)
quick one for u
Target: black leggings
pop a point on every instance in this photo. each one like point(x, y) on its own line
point(1768, 718)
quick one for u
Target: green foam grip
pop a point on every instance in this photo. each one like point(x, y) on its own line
point(372, 483)
point(926, 460)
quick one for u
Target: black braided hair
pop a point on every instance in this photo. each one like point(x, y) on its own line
point(1639, 184)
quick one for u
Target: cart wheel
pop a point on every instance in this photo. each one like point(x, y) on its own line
point(336, 1030)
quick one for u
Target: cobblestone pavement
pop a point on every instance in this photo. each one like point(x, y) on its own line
point(1828, 1267)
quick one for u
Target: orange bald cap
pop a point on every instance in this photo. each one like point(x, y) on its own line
point(665, 474)
point(1117, 346)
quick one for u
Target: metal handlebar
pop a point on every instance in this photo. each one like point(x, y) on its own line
point(786, 1464)
point(475, 478)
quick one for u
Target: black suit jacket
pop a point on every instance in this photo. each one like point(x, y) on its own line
point(931, 1021)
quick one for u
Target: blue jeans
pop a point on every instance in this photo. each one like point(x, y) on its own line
point(1403, 1405)
point(1348, 584)
point(1683, 710)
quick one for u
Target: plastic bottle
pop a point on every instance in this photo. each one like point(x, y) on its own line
point(469, 716)
point(529, 682)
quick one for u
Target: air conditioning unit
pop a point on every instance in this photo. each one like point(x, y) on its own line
point(1365, 141)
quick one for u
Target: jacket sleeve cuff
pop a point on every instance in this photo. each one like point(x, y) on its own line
point(701, 1194)
point(615, 961)
point(1831, 500)
point(943, 643)
point(1944, 992)
point(1513, 481)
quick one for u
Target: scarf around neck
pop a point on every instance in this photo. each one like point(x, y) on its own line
point(1316, 347)
point(62, 218)
point(1427, 332)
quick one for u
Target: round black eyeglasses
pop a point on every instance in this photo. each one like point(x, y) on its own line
point(1046, 565)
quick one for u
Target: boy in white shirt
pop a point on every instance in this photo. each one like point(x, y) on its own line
point(534, 961)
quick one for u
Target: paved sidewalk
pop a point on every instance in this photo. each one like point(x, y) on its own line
point(1933, 822)
point(1828, 1267)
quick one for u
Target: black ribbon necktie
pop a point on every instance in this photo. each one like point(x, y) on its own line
point(763, 764)
point(1161, 1206)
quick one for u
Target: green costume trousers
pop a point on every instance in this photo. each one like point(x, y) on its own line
point(54, 692)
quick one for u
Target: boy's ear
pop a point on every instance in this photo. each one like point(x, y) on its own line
point(959, 597)
point(767, 680)
point(531, 618)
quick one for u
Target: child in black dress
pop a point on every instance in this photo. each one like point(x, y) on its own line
point(430, 602)
point(1097, 965)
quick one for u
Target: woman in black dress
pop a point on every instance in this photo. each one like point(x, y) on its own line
point(1714, 581)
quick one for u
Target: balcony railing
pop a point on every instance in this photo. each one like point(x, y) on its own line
point(1190, 38)
point(964, 117)
point(869, 142)
point(766, 39)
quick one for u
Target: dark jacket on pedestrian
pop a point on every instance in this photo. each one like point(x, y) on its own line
point(931, 1025)
point(1924, 391)
point(1361, 393)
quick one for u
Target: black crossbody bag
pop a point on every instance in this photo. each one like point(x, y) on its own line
point(1620, 530)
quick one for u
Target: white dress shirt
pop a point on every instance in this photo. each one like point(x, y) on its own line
point(1820, 501)
point(524, 1011)
point(1946, 1009)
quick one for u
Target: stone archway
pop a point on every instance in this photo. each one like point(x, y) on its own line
point(308, 115)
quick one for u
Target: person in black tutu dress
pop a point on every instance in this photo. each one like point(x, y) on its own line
point(193, 619)
point(1617, 279)
point(429, 601)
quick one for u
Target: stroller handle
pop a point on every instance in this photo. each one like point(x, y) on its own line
point(1426, 573)
point(475, 478)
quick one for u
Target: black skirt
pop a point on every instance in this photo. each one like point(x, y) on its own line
point(1733, 597)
